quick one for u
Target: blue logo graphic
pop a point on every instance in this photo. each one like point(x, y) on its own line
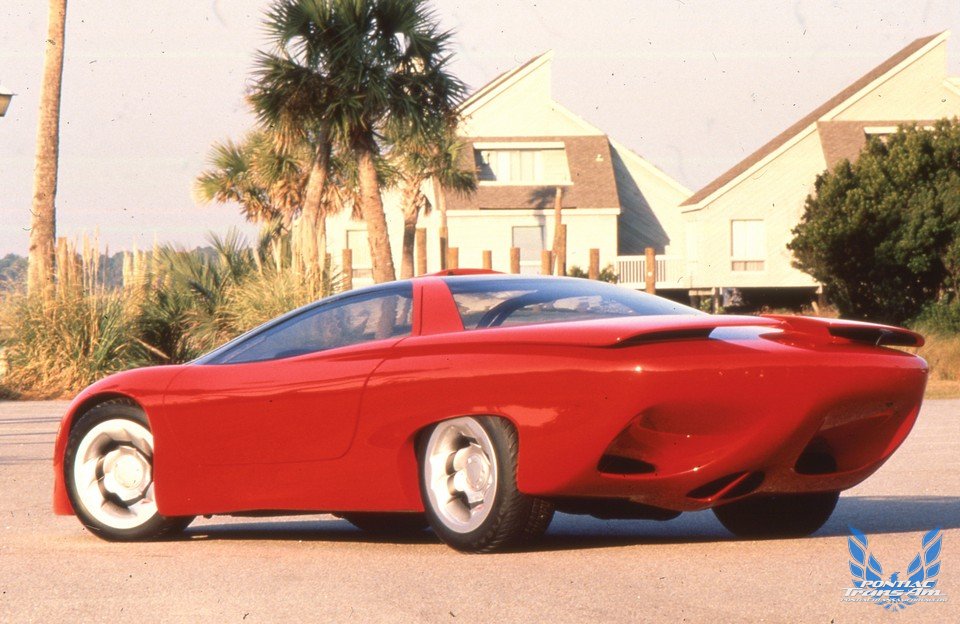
point(899, 590)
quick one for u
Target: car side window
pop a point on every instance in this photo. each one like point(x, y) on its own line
point(353, 320)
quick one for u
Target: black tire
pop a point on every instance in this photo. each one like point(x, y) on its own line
point(153, 525)
point(513, 518)
point(387, 523)
point(777, 515)
point(539, 521)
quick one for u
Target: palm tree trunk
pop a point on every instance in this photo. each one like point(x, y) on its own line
point(313, 209)
point(440, 194)
point(371, 207)
point(411, 212)
point(43, 221)
point(558, 249)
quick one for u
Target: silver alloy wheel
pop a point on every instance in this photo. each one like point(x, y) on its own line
point(113, 474)
point(460, 473)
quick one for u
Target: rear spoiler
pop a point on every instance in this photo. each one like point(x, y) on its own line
point(827, 330)
point(688, 328)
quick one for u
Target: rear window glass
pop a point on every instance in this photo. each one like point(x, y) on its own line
point(503, 302)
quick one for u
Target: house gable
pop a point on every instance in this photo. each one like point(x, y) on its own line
point(909, 66)
point(518, 104)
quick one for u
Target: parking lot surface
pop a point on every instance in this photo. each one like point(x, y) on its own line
point(319, 568)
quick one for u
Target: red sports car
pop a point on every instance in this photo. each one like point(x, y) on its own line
point(481, 403)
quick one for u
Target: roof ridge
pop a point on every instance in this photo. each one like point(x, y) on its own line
point(770, 146)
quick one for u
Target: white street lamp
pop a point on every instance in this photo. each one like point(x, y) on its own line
point(5, 97)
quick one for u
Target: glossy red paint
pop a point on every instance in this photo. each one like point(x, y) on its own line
point(713, 418)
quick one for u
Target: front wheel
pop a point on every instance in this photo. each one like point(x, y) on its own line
point(468, 481)
point(778, 515)
point(108, 468)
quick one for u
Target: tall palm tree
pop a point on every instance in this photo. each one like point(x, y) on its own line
point(234, 176)
point(43, 220)
point(430, 154)
point(274, 180)
point(347, 71)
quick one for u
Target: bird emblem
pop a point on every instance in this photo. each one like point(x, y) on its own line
point(895, 593)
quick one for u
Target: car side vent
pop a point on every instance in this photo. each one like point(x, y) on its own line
point(696, 333)
point(617, 464)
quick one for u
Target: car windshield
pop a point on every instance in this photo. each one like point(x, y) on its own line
point(507, 301)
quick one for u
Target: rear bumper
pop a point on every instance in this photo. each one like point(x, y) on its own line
point(705, 433)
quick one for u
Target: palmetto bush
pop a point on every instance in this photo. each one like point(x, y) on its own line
point(174, 305)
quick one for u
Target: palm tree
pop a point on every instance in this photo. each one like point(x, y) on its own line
point(234, 176)
point(347, 72)
point(43, 221)
point(431, 154)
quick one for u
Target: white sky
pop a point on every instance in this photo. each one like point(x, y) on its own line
point(691, 85)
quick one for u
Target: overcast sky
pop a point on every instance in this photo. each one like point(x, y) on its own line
point(693, 86)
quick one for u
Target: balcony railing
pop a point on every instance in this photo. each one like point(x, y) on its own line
point(632, 271)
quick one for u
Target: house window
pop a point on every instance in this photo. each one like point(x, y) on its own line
point(748, 244)
point(522, 166)
point(530, 241)
point(360, 248)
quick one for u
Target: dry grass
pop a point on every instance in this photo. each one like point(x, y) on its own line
point(942, 353)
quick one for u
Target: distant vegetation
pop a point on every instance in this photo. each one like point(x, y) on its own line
point(165, 306)
point(13, 271)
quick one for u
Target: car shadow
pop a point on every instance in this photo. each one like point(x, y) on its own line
point(870, 514)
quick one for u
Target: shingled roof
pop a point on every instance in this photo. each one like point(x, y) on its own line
point(814, 116)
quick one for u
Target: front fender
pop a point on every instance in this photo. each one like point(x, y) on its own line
point(144, 386)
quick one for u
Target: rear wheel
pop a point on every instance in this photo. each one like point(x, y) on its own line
point(468, 480)
point(778, 515)
point(387, 523)
point(108, 468)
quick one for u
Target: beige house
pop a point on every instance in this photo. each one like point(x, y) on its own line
point(737, 227)
point(524, 145)
point(731, 234)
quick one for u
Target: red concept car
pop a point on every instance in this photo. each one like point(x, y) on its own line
point(481, 403)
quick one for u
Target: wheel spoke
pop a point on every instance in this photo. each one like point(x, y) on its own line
point(112, 474)
point(460, 470)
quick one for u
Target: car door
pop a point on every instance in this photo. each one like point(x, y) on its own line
point(291, 392)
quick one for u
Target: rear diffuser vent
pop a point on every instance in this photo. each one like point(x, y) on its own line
point(617, 464)
point(729, 486)
point(816, 459)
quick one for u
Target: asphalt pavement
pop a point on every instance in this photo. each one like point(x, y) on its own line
point(321, 569)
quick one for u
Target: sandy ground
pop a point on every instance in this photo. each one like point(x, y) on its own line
point(321, 569)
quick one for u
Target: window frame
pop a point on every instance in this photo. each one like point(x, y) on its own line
point(745, 263)
point(504, 150)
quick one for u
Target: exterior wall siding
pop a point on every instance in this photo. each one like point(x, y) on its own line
point(776, 194)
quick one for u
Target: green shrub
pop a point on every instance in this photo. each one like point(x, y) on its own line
point(941, 317)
